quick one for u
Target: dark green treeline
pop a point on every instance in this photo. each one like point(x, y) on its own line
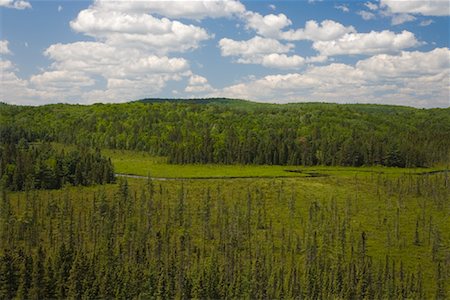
point(25, 166)
point(232, 131)
point(160, 241)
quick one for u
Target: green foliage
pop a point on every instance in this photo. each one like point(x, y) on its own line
point(40, 166)
point(239, 132)
point(324, 237)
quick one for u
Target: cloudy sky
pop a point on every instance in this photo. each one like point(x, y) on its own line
point(386, 51)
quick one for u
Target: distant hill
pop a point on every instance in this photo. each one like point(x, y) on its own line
point(233, 131)
point(238, 103)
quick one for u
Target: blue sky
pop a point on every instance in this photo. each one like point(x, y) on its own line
point(387, 51)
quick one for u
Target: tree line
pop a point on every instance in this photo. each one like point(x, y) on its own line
point(25, 166)
point(240, 132)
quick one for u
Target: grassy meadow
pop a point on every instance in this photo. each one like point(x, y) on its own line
point(143, 164)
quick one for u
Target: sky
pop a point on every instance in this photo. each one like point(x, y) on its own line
point(385, 52)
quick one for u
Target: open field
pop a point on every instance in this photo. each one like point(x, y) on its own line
point(143, 164)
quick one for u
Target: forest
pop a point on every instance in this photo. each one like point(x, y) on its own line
point(25, 167)
point(242, 132)
point(358, 209)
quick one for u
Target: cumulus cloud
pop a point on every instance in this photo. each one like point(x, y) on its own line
point(139, 30)
point(16, 4)
point(61, 79)
point(394, 79)
point(198, 84)
point(108, 61)
point(342, 7)
point(327, 30)
point(123, 89)
point(398, 19)
point(366, 15)
point(176, 9)
point(4, 49)
point(129, 55)
point(136, 50)
point(258, 50)
point(367, 43)
point(282, 61)
point(268, 25)
point(407, 64)
point(426, 8)
point(14, 89)
point(122, 68)
point(254, 46)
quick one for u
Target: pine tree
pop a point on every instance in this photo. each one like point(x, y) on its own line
point(26, 270)
point(8, 276)
point(37, 290)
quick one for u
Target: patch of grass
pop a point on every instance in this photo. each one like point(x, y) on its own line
point(141, 163)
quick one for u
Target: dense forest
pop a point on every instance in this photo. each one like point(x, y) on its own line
point(240, 132)
point(25, 166)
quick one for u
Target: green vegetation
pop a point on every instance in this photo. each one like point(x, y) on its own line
point(240, 132)
point(307, 201)
point(24, 167)
point(143, 164)
point(366, 236)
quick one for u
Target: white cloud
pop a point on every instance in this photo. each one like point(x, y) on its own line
point(253, 47)
point(327, 30)
point(4, 49)
point(398, 19)
point(198, 84)
point(176, 9)
point(272, 7)
point(407, 64)
point(366, 15)
point(60, 8)
point(17, 4)
point(393, 79)
point(316, 59)
point(282, 61)
point(342, 7)
point(426, 8)
point(296, 86)
point(14, 89)
point(123, 89)
point(74, 75)
point(139, 30)
point(265, 51)
point(97, 58)
point(267, 26)
point(367, 43)
point(129, 54)
point(197, 80)
point(5, 65)
point(61, 80)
